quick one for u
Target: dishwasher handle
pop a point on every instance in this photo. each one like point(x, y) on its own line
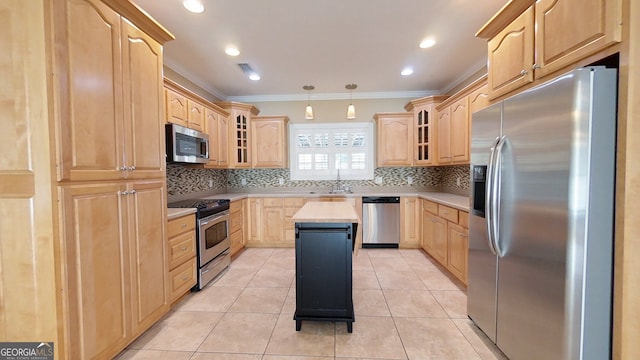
point(381, 200)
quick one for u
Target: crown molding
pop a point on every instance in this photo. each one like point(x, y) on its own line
point(187, 75)
point(334, 96)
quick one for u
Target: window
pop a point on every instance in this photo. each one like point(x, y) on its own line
point(319, 151)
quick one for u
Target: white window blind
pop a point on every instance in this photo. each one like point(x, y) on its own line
point(318, 151)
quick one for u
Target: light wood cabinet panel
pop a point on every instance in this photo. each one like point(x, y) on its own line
point(410, 215)
point(181, 225)
point(182, 279)
point(254, 220)
point(176, 108)
point(217, 127)
point(458, 248)
point(195, 115)
point(511, 54)
point(460, 129)
point(478, 100)
point(239, 132)
point(236, 225)
point(450, 214)
point(147, 249)
point(570, 30)
point(424, 134)
point(91, 122)
point(143, 108)
point(428, 229)
point(430, 206)
point(444, 135)
point(269, 142)
point(181, 248)
point(439, 240)
point(95, 223)
point(395, 139)
point(273, 220)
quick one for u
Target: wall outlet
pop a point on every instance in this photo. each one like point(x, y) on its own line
point(378, 180)
point(458, 181)
point(281, 181)
point(410, 180)
point(243, 182)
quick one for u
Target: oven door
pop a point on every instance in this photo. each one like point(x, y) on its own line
point(213, 237)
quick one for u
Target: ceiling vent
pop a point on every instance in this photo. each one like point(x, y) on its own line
point(249, 71)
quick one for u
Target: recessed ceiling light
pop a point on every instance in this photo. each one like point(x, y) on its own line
point(232, 51)
point(195, 6)
point(427, 43)
point(406, 71)
point(254, 77)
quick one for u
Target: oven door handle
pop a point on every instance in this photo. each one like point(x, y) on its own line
point(207, 221)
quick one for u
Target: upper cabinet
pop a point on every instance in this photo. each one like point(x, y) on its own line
point(269, 142)
point(528, 41)
point(510, 57)
point(115, 133)
point(454, 122)
point(424, 129)
point(395, 136)
point(188, 109)
point(239, 132)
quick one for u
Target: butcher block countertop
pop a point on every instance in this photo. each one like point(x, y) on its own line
point(321, 211)
point(330, 212)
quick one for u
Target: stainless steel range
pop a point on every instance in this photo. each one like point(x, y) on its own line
point(212, 236)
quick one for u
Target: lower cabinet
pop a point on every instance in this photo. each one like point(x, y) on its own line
point(410, 213)
point(236, 225)
point(181, 233)
point(445, 237)
point(270, 222)
point(115, 243)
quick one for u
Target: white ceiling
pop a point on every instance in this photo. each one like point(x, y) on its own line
point(326, 43)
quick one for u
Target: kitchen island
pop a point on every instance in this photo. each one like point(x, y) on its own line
point(325, 235)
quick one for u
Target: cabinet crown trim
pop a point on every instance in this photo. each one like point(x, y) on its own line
point(172, 85)
point(141, 19)
point(476, 84)
point(433, 99)
point(228, 105)
point(505, 16)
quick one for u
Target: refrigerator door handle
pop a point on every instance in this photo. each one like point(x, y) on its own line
point(495, 195)
point(489, 197)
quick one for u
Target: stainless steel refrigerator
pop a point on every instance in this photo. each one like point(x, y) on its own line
point(541, 219)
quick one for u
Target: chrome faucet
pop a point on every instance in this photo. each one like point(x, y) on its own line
point(339, 187)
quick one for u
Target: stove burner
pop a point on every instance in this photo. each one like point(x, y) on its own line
point(206, 207)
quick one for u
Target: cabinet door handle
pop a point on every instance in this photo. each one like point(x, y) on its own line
point(131, 168)
point(123, 168)
point(535, 66)
point(184, 248)
point(524, 72)
point(124, 193)
point(132, 192)
point(185, 278)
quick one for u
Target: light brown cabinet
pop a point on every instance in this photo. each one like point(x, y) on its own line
point(236, 226)
point(424, 129)
point(181, 234)
point(239, 133)
point(217, 127)
point(445, 237)
point(83, 176)
point(546, 37)
point(410, 229)
point(115, 234)
point(195, 115)
point(269, 142)
point(394, 139)
point(176, 108)
point(270, 223)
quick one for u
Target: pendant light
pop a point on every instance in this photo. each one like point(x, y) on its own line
point(351, 110)
point(308, 112)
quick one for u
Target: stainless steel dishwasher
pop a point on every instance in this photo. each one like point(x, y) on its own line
point(380, 221)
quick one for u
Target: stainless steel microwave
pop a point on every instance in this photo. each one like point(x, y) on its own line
point(186, 145)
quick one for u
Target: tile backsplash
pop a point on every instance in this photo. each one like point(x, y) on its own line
point(182, 180)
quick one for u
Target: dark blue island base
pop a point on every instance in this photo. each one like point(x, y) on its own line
point(323, 272)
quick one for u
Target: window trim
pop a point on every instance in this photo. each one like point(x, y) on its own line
point(309, 175)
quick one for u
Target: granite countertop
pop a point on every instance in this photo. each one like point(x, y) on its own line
point(173, 213)
point(455, 201)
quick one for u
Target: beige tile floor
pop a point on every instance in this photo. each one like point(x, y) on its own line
point(405, 308)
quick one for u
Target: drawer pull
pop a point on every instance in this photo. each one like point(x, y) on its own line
point(185, 278)
point(184, 248)
point(184, 226)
